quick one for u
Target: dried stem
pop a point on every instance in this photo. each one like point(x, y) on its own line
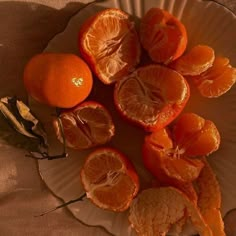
point(63, 205)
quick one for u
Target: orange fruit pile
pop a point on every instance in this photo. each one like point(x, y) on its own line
point(150, 93)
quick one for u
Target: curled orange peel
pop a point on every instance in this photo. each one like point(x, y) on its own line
point(156, 210)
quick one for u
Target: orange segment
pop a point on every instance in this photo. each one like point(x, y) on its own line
point(162, 35)
point(109, 179)
point(152, 96)
point(209, 199)
point(195, 135)
point(166, 163)
point(217, 80)
point(57, 79)
point(109, 43)
point(156, 210)
point(87, 125)
point(196, 61)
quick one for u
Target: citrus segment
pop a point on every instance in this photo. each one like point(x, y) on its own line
point(162, 35)
point(152, 96)
point(195, 135)
point(86, 125)
point(109, 43)
point(59, 80)
point(217, 80)
point(166, 163)
point(196, 61)
point(109, 179)
point(156, 210)
point(209, 199)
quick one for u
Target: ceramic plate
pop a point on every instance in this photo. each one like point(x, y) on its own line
point(207, 23)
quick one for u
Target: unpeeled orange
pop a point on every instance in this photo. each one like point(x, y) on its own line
point(57, 79)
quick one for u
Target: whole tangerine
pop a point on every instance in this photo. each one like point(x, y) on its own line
point(58, 79)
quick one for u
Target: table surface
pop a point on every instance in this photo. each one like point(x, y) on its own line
point(24, 32)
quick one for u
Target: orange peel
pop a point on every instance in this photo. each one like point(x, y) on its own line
point(209, 199)
point(156, 210)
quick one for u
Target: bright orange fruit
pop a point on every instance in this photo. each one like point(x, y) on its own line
point(58, 80)
point(87, 125)
point(156, 210)
point(217, 80)
point(168, 155)
point(196, 61)
point(109, 179)
point(196, 136)
point(166, 161)
point(108, 41)
point(162, 35)
point(152, 96)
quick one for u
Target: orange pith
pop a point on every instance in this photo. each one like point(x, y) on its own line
point(164, 207)
point(196, 61)
point(217, 80)
point(59, 80)
point(162, 35)
point(109, 179)
point(152, 96)
point(87, 125)
point(109, 43)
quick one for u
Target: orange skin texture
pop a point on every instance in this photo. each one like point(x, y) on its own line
point(164, 207)
point(58, 80)
point(162, 35)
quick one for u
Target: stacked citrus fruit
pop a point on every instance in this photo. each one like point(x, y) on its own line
point(150, 93)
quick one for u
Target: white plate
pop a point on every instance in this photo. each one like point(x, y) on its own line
point(206, 23)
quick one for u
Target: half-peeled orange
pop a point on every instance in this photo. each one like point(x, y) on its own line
point(109, 179)
point(87, 125)
point(152, 96)
point(162, 35)
point(108, 41)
